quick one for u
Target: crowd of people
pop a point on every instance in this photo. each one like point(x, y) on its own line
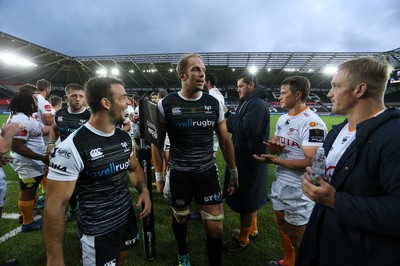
point(83, 155)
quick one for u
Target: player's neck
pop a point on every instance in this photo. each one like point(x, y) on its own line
point(297, 109)
point(101, 122)
point(363, 111)
point(74, 111)
point(190, 93)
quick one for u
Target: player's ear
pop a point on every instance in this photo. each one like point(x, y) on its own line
point(106, 103)
point(361, 90)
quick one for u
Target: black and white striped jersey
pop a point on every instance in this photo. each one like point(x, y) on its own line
point(190, 125)
point(98, 162)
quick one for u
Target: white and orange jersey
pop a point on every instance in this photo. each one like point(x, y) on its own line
point(32, 134)
point(295, 132)
point(44, 107)
point(341, 143)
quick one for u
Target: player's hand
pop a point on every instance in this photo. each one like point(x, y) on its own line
point(323, 193)
point(274, 147)
point(264, 158)
point(233, 186)
point(145, 202)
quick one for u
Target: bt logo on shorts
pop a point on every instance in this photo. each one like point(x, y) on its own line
point(215, 197)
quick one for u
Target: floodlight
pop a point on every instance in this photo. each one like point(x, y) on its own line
point(102, 72)
point(16, 60)
point(115, 71)
point(253, 70)
point(330, 70)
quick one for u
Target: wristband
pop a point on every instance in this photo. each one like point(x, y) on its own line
point(159, 176)
point(234, 173)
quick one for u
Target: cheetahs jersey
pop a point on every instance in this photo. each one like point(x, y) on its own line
point(295, 132)
point(68, 122)
point(190, 125)
point(98, 162)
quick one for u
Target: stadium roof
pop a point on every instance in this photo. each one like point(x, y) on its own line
point(141, 71)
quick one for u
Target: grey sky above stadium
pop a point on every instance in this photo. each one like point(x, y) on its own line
point(118, 27)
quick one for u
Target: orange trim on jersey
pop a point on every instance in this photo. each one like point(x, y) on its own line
point(302, 110)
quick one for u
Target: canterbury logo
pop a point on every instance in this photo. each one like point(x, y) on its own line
point(96, 153)
point(176, 110)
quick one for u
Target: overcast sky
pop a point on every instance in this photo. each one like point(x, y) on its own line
point(119, 27)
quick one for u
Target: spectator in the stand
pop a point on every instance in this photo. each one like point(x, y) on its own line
point(67, 120)
point(249, 127)
point(29, 157)
point(297, 137)
point(154, 97)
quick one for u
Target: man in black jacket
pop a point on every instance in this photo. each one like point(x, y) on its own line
point(355, 220)
point(249, 127)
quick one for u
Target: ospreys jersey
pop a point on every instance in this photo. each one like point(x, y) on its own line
point(69, 122)
point(295, 132)
point(98, 162)
point(190, 125)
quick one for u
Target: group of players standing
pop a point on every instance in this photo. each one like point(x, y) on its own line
point(89, 166)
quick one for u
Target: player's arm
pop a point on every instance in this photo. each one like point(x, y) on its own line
point(58, 194)
point(48, 119)
point(18, 146)
point(8, 131)
point(53, 136)
point(228, 153)
point(157, 154)
point(294, 164)
point(137, 178)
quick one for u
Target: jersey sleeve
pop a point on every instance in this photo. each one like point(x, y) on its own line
point(161, 112)
point(44, 107)
point(314, 133)
point(24, 134)
point(221, 116)
point(65, 163)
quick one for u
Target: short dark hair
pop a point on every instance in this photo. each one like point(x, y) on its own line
point(210, 77)
point(73, 87)
point(184, 62)
point(42, 84)
point(247, 78)
point(22, 103)
point(98, 88)
point(298, 83)
point(55, 100)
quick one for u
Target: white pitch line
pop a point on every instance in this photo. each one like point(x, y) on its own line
point(13, 216)
point(15, 231)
